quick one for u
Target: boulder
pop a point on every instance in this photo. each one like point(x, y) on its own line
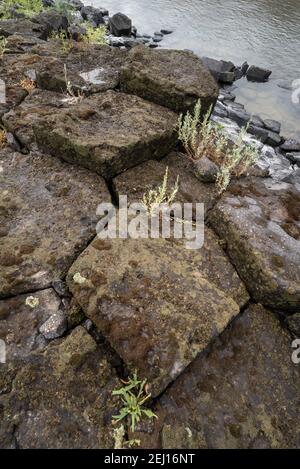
point(92, 14)
point(108, 132)
point(52, 21)
point(23, 27)
point(258, 74)
point(274, 139)
point(294, 158)
point(48, 215)
point(221, 70)
point(157, 309)
point(291, 145)
point(120, 25)
point(242, 393)
point(172, 78)
point(61, 398)
point(272, 125)
point(92, 72)
point(259, 220)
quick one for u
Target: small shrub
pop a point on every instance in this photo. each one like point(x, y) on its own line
point(209, 139)
point(3, 137)
point(133, 395)
point(96, 35)
point(66, 43)
point(160, 195)
point(28, 8)
point(71, 96)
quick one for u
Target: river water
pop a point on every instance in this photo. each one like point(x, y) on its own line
point(263, 32)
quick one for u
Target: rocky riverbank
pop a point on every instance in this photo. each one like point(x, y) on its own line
point(210, 329)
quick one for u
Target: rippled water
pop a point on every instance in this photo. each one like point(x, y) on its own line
point(263, 32)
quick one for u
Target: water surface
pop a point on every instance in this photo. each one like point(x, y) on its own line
point(263, 32)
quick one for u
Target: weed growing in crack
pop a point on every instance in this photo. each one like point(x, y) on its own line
point(3, 44)
point(28, 8)
point(95, 35)
point(28, 85)
point(133, 396)
point(160, 195)
point(3, 137)
point(66, 43)
point(71, 96)
point(205, 138)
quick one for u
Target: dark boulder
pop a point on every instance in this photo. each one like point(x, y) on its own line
point(221, 70)
point(52, 21)
point(272, 125)
point(120, 25)
point(258, 74)
point(291, 145)
point(93, 15)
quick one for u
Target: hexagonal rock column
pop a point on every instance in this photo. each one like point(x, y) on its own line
point(242, 393)
point(154, 301)
point(260, 221)
point(172, 78)
point(47, 215)
point(108, 133)
point(61, 398)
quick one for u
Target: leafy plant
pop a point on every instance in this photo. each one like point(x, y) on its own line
point(133, 396)
point(96, 35)
point(160, 195)
point(67, 43)
point(205, 138)
point(28, 8)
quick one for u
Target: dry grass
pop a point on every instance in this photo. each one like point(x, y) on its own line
point(3, 137)
point(205, 138)
point(28, 84)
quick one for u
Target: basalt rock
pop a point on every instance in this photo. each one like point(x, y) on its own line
point(23, 27)
point(242, 393)
point(120, 25)
point(260, 221)
point(171, 78)
point(258, 74)
point(48, 215)
point(108, 132)
point(162, 304)
point(60, 398)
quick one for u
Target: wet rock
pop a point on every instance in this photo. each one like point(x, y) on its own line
point(239, 116)
point(294, 158)
point(272, 125)
point(241, 71)
point(260, 133)
point(251, 357)
point(226, 95)
point(76, 4)
point(141, 179)
point(293, 323)
point(205, 170)
point(157, 310)
point(220, 110)
point(258, 74)
point(20, 323)
point(120, 25)
point(97, 70)
point(171, 78)
point(166, 31)
point(125, 130)
point(61, 398)
point(48, 215)
point(221, 70)
point(274, 140)
point(257, 121)
point(290, 145)
point(92, 14)
point(55, 326)
point(259, 219)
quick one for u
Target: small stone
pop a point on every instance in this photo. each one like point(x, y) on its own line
point(258, 74)
point(272, 125)
point(166, 31)
point(61, 288)
point(274, 140)
point(205, 170)
point(55, 326)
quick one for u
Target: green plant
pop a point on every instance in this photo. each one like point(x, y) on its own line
point(205, 138)
point(133, 396)
point(3, 43)
point(71, 96)
point(28, 8)
point(96, 35)
point(67, 44)
point(65, 8)
point(160, 195)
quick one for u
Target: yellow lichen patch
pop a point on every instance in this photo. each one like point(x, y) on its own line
point(32, 302)
point(28, 85)
point(78, 278)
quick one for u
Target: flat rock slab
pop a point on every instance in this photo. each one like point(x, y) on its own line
point(60, 398)
point(22, 26)
point(152, 302)
point(148, 176)
point(241, 393)
point(91, 69)
point(171, 78)
point(260, 222)
point(48, 215)
point(108, 133)
point(34, 108)
point(20, 320)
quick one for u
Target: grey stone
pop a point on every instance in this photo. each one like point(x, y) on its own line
point(291, 145)
point(120, 25)
point(272, 125)
point(55, 326)
point(258, 74)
